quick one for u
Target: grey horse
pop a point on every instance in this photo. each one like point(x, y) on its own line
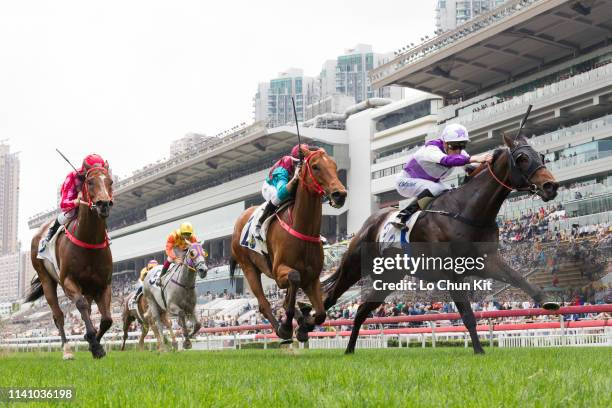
point(177, 294)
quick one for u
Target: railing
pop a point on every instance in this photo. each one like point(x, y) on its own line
point(558, 333)
point(429, 47)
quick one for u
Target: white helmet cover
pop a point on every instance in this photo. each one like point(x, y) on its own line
point(455, 133)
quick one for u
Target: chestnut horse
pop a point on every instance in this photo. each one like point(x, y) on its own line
point(464, 215)
point(85, 262)
point(295, 251)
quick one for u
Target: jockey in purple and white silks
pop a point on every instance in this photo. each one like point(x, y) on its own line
point(422, 174)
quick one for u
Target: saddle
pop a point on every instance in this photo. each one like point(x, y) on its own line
point(249, 238)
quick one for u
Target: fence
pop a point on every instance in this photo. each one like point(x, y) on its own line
point(590, 332)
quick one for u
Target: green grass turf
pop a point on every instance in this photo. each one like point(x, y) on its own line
point(563, 377)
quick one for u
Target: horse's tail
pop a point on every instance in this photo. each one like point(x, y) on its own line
point(232, 265)
point(331, 283)
point(35, 291)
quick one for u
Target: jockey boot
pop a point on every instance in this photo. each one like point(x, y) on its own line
point(404, 215)
point(268, 211)
point(138, 293)
point(50, 234)
point(158, 281)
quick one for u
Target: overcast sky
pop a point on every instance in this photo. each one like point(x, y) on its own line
point(125, 78)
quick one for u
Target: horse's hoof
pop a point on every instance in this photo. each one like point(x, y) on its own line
point(98, 351)
point(284, 332)
point(68, 356)
point(284, 342)
point(550, 306)
point(301, 335)
point(187, 345)
point(349, 351)
point(175, 345)
point(479, 351)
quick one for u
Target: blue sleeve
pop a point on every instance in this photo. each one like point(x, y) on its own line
point(280, 178)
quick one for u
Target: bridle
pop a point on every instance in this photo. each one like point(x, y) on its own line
point(313, 186)
point(519, 180)
point(88, 176)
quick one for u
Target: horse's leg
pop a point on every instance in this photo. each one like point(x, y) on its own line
point(183, 324)
point(196, 324)
point(158, 327)
point(50, 291)
point(362, 314)
point(73, 291)
point(290, 279)
point(144, 329)
point(151, 323)
point(467, 315)
point(307, 323)
point(253, 277)
point(127, 321)
point(168, 324)
point(104, 307)
point(499, 270)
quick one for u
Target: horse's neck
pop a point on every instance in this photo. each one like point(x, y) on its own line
point(485, 196)
point(186, 277)
point(90, 228)
point(307, 211)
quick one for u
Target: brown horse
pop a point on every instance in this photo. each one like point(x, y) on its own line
point(85, 263)
point(129, 316)
point(294, 247)
point(464, 215)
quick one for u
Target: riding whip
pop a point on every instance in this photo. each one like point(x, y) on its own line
point(65, 158)
point(524, 120)
point(300, 154)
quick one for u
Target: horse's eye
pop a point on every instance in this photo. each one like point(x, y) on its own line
point(315, 167)
point(193, 253)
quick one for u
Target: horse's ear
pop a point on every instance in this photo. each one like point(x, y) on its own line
point(508, 140)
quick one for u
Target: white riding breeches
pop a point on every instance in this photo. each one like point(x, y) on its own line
point(64, 218)
point(412, 187)
point(269, 193)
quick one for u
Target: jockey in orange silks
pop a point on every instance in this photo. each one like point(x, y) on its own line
point(280, 183)
point(69, 202)
point(176, 243)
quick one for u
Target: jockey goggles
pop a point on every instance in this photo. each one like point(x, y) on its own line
point(456, 145)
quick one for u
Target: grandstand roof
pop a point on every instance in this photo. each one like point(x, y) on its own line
point(513, 40)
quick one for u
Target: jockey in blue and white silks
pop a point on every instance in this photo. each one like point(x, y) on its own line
point(280, 183)
point(422, 174)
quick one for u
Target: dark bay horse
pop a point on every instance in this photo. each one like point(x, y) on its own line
point(85, 262)
point(294, 247)
point(464, 215)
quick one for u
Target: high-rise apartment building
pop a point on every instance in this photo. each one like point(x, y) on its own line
point(453, 13)
point(9, 200)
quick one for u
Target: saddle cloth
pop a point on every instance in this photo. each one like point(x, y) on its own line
point(390, 235)
point(48, 255)
point(248, 238)
point(133, 304)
